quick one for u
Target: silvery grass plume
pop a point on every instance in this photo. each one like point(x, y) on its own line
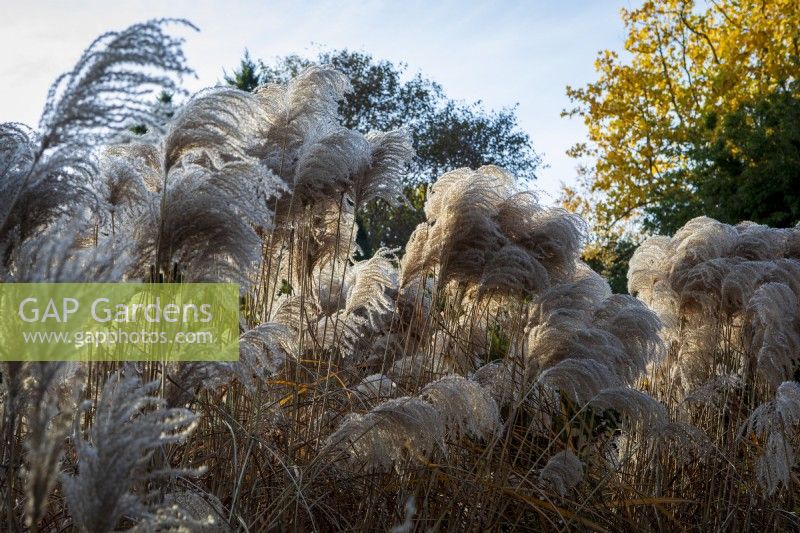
point(772, 326)
point(376, 386)
point(368, 305)
point(305, 146)
point(203, 513)
point(485, 233)
point(51, 171)
point(209, 224)
point(129, 425)
point(638, 410)
point(580, 379)
point(199, 200)
point(390, 154)
point(399, 429)
point(299, 112)
point(505, 381)
point(263, 351)
point(585, 350)
point(775, 423)
point(722, 288)
point(716, 391)
point(50, 398)
point(329, 171)
point(418, 369)
point(346, 162)
point(668, 438)
point(489, 245)
point(562, 473)
point(319, 159)
point(466, 407)
point(411, 321)
point(60, 254)
point(580, 320)
point(386, 437)
point(128, 176)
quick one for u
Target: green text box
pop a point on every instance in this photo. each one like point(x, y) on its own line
point(119, 322)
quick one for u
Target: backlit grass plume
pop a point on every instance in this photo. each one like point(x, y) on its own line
point(729, 295)
point(51, 170)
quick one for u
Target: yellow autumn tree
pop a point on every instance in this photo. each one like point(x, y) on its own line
point(683, 60)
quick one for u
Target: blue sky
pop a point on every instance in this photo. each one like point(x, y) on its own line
point(499, 52)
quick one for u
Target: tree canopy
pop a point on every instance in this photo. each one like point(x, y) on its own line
point(697, 117)
point(748, 167)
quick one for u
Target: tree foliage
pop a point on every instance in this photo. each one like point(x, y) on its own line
point(695, 117)
point(246, 77)
point(749, 164)
point(446, 133)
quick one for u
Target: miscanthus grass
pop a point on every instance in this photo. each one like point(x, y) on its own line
point(481, 378)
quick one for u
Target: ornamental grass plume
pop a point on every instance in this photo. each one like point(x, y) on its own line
point(130, 424)
point(729, 295)
point(50, 171)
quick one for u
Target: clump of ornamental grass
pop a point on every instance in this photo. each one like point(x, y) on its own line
point(729, 297)
point(483, 377)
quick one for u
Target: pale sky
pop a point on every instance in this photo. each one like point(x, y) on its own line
point(499, 52)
